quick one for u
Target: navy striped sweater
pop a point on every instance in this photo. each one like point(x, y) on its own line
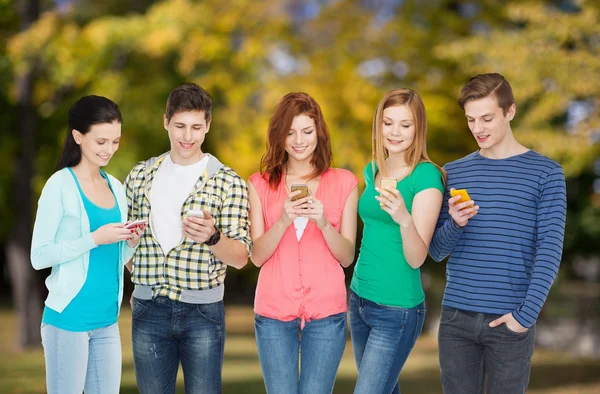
point(507, 257)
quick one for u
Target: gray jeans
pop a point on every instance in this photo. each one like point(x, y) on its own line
point(470, 350)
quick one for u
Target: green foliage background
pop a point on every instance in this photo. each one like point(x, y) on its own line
point(345, 53)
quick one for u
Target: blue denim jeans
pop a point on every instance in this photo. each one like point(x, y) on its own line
point(382, 338)
point(300, 361)
point(78, 361)
point(167, 332)
point(470, 349)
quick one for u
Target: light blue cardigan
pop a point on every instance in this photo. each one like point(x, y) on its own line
point(62, 238)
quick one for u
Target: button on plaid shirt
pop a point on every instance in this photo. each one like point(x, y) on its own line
point(190, 265)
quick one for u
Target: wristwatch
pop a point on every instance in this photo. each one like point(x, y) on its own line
point(215, 238)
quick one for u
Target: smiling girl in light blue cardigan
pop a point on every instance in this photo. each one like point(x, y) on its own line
point(79, 232)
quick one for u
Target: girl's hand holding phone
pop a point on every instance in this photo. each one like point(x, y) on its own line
point(293, 207)
point(135, 236)
point(460, 207)
point(111, 233)
point(392, 202)
point(313, 210)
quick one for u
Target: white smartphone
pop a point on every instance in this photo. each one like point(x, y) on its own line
point(136, 223)
point(195, 213)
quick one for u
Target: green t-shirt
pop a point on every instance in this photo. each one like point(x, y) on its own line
point(382, 274)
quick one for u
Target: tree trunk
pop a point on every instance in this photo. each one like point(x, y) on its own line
point(26, 292)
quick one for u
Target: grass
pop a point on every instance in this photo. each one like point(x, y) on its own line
point(552, 373)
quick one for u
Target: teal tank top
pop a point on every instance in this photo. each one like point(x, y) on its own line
point(96, 304)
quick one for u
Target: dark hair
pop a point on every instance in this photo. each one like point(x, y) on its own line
point(290, 106)
point(189, 97)
point(86, 112)
point(484, 85)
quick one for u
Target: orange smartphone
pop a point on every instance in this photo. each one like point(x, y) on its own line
point(460, 192)
point(388, 183)
point(303, 191)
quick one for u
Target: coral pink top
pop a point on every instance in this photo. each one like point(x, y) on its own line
point(302, 279)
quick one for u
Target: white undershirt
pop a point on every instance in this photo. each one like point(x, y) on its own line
point(300, 224)
point(171, 186)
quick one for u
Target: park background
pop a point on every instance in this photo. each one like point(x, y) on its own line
point(345, 53)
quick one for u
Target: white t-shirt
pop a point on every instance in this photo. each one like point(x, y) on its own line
point(171, 186)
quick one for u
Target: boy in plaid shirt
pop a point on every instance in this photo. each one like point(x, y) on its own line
point(197, 213)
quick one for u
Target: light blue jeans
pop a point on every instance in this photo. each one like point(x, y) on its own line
point(382, 338)
point(78, 361)
point(300, 361)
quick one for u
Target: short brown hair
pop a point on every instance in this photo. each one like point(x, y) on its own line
point(484, 85)
point(189, 97)
point(274, 159)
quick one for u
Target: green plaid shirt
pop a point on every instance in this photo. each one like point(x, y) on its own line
point(190, 265)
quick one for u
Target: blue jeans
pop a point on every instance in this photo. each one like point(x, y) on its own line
point(382, 338)
point(167, 332)
point(78, 361)
point(470, 349)
point(318, 348)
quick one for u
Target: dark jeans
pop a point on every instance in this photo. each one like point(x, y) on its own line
point(469, 350)
point(382, 338)
point(167, 332)
point(320, 345)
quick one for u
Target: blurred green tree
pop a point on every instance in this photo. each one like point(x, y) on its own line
point(345, 53)
point(21, 142)
point(550, 52)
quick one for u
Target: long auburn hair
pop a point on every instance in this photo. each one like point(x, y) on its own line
point(273, 161)
point(417, 152)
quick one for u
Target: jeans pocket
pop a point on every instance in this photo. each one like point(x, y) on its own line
point(258, 319)
point(448, 315)
point(511, 332)
point(338, 316)
point(139, 307)
point(421, 313)
point(212, 312)
point(339, 319)
point(387, 315)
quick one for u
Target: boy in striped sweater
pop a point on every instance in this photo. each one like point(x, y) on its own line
point(505, 245)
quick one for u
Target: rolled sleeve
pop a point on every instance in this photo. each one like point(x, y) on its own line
point(234, 222)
